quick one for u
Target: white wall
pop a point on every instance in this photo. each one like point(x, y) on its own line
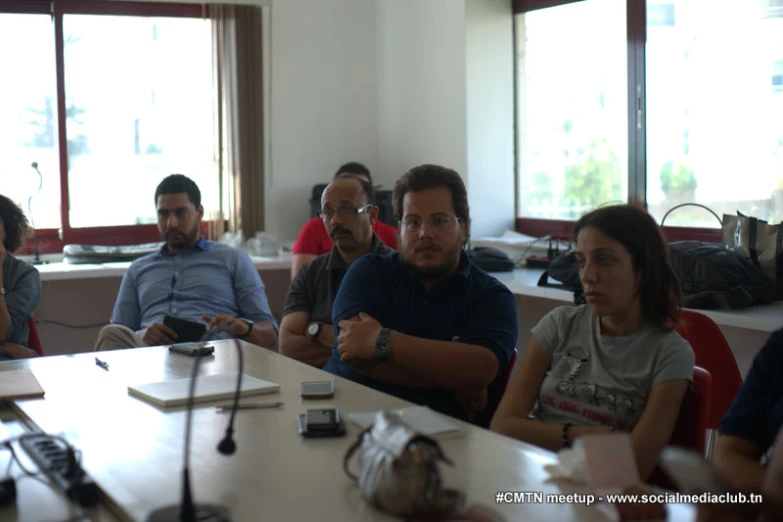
point(323, 101)
point(421, 85)
point(489, 44)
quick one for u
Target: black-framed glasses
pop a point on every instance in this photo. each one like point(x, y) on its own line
point(343, 212)
point(414, 224)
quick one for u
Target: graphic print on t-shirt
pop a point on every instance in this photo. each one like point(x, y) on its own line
point(600, 404)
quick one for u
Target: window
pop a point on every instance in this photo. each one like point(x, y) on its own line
point(120, 99)
point(572, 105)
point(28, 112)
point(146, 114)
point(705, 126)
point(713, 118)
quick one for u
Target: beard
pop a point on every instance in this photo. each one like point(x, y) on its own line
point(432, 272)
point(187, 239)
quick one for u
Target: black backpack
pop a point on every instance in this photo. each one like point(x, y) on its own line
point(711, 277)
point(714, 277)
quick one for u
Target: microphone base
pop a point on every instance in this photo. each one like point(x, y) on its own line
point(204, 512)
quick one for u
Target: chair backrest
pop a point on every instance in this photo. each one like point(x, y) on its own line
point(495, 393)
point(692, 423)
point(33, 341)
point(714, 354)
point(690, 431)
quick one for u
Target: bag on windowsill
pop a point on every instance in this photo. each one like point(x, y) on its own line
point(758, 241)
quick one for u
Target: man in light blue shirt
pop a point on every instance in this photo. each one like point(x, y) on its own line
point(189, 277)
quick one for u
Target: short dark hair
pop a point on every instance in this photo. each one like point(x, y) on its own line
point(353, 168)
point(426, 177)
point(176, 184)
point(16, 226)
point(366, 188)
point(660, 291)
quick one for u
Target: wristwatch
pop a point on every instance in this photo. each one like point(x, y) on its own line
point(313, 329)
point(2, 290)
point(249, 326)
point(382, 345)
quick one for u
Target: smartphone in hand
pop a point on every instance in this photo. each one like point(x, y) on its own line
point(187, 331)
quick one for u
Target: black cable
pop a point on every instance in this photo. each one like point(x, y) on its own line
point(519, 261)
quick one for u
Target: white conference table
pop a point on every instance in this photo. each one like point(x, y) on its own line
point(134, 450)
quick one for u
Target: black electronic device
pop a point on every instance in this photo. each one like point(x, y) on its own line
point(187, 331)
point(192, 349)
point(321, 423)
point(58, 461)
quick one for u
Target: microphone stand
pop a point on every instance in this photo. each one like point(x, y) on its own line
point(187, 510)
point(37, 259)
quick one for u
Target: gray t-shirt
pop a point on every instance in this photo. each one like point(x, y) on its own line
point(595, 379)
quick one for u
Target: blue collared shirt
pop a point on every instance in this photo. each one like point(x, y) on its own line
point(210, 278)
point(470, 307)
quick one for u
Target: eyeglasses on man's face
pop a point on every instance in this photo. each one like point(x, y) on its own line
point(343, 212)
point(414, 224)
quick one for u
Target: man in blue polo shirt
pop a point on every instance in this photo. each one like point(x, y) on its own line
point(189, 277)
point(425, 324)
point(754, 420)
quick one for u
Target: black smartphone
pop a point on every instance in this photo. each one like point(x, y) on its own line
point(321, 423)
point(192, 349)
point(187, 331)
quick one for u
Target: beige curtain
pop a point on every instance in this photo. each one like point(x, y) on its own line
point(237, 69)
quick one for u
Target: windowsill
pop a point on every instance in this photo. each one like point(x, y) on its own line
point(60, 271)
point(765, 318)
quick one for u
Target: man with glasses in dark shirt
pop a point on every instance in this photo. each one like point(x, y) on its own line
point(349, 213)
point(425, 324)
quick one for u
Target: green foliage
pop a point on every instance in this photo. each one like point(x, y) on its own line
point(677, 176)
point(597, 179)
point(541, 186)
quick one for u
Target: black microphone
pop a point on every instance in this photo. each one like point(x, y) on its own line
point(187, 510)
point(37, 259)
point(227, 446)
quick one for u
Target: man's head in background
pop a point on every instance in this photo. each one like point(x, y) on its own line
point(354, 169)
point(348, 211)
point(178, 201)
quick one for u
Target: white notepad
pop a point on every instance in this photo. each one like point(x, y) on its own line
point(420, 418)
point(221, 386)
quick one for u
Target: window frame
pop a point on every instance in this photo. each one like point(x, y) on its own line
point(636, 23)
point(50, 240)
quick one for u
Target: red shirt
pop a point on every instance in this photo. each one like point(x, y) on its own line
point(313, 238)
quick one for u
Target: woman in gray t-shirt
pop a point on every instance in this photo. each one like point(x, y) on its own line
point(616, 362)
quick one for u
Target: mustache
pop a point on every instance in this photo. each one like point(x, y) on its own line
point(428, 246)
point(336, 231)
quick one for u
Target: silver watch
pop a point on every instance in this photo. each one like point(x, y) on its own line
point(313, 329)
point(2, 290)
point(382, 345)
point(249, 326)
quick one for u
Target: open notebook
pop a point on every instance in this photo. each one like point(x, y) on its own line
point(419, 418)
point(19, 384)
point(167, 394)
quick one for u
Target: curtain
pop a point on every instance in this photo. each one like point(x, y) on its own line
point(237, 70)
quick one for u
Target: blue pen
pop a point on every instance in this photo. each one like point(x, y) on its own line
point(102, 364)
